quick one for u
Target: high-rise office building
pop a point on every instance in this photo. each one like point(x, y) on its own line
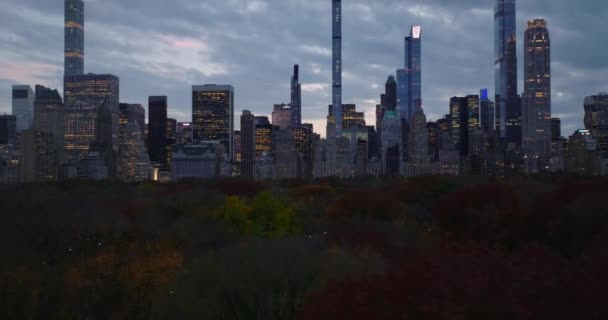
point(263, 137)
point(171, 138)
point(23, 106)
point(337, 64)
point(410, 78)
point(458, 122)
point(49, 117)
point(248, 145)
point(183, 133)
point(487, 117)
point(508, 104)
point(37, 159)
point(419, 140)
point(134, 163)
point(536, 100)
point(8, 129)
point(84, 95)
point(556, 128)
point(296, 97)
point(74, 37)
point(392, 144)
point(282, 116)
point(351, 119)
point(303, 137)
point(157, 129)
point(390, 95)
point(213, 115)
point(596, 119)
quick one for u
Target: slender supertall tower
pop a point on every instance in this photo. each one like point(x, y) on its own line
point(410, 78)
point(337, 65)
point(508, 104)
point(537, 89)
point(296, 97)
point(74, 38)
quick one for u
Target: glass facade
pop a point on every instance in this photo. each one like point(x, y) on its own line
point(410, 78)
point(23, 106)
point(213, 115)
point(508, 108)
point(337, 64)
point(74, 37)
point(596, 119)
point(296, 97)
point(248, 145)
point(263, 137)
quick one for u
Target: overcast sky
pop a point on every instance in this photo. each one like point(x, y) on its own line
point(162, 47)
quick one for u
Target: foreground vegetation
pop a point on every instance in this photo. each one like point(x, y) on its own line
point(428, 248)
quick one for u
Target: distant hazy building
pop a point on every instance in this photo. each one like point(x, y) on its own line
point(183, 133)
point(204, 160)
point(38, 160)
point(74, 37)
point(171, 138)
point(248, 145)
point(49, 117)
point(419, 140)
point(9, 162)
point(132, 113)
point(285, 156)
point(8, 129)
point(449, 156)
point(282, 116)
point(157, 129)
point(84, 95)
point(23, 106)
point(536, 100)
point(296, 97)
point(213, 115)
point(596, 119)
point(583, 157)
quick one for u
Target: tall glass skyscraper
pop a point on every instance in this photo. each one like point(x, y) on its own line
point(74, 37)
point(213, 115)
point(508, 104)
point(537, 93)
point(23, 106)
point(337, 64)
point(296, 97)
point(410, 79)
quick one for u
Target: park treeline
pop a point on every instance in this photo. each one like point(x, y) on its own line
point(424, 248)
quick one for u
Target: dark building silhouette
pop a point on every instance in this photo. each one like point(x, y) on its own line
point(296, 97)
point(410, 78)
point(487, 117)
point(103, 143)
point(171, 139)
point(133, 113)
point(157, 129)
point(556, 128)
point(596, 119)
point(390, 96)
point(248, 144)
point(8, 128)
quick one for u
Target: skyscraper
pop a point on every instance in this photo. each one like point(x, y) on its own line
point(157, 129)
point(596, 119)
point(74, 37)
point(536, 100)
point(263, 137)
point(556, 128)
point(296, 97)
point(23, 106)
point(410, 78)
point(49, 117)
point(248, 146)
point(337, 64)
point(390, 97)
point(133, 112)
point(508, 106)
point(8, 129)
point(487, 117)
point(171, 139)
point(83, 96)
point(282, 116)
point(213, 115)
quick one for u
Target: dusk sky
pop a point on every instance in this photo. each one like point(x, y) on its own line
point(161, 47)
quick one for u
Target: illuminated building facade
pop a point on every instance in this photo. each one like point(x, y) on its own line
point(263, 136)
point(74, 37)
point(536, 100)
point(213, 115)
point(84, 95)
point(183, 133)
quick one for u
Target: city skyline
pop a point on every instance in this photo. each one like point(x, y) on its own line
point(365, 67)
